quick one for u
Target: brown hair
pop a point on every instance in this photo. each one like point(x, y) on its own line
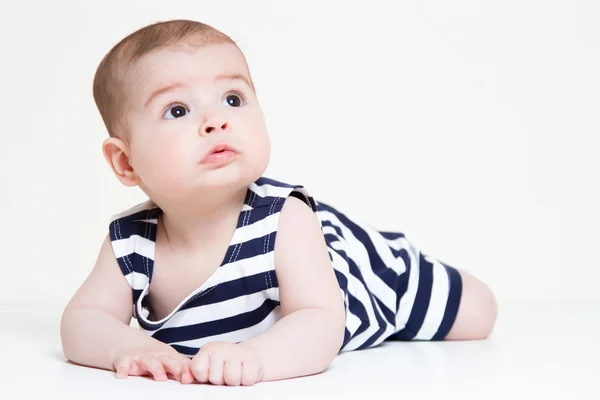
point(109, 80)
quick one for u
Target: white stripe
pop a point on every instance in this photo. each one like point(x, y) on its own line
point(437, 304)
point(359, 254)
point(259, 228)
point(136, 280)
point(407, 300)
point(268, 190)
point(352, 322)
point(221, 310)
point(245, 267)
point(150, 221)
point(134, 243)
point(236, 336)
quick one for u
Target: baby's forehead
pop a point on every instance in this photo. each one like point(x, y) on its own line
point(202, 56)
point(183, 64)
point(183, 61)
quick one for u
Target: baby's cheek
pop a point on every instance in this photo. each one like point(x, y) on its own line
point(162, 167)
point(260, 148)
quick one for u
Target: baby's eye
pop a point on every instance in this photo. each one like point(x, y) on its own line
point(177, 111)
point(235, 99)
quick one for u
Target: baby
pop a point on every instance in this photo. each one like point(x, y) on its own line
point(235, 278)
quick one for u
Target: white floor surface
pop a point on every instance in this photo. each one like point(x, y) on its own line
point(537, 350)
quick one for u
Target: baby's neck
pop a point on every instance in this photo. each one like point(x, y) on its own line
point(195, 227)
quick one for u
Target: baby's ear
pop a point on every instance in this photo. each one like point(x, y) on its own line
point(116, 153)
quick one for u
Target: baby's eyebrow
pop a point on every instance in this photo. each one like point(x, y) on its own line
point(176, 85)
point(233, 77)
point(160, 91)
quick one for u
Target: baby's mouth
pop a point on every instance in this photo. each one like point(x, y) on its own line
point(219, 154)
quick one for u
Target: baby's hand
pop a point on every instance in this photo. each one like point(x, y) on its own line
point(227, 363)
point(155, 364)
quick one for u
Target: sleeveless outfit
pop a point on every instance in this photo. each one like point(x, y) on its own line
point(391, 291)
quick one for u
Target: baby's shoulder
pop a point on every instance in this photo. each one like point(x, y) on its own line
point(274, 193)
point(139, 221)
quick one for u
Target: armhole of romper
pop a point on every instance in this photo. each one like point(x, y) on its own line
point(301, 193)
point(277, 206)
point(300, 196)
point(125, 265)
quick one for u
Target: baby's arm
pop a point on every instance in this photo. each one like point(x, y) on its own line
point(95, 327)
point(311, 331)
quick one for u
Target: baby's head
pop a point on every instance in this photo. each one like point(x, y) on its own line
point(168, 94)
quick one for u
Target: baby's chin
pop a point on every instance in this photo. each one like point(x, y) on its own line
point(234, 175)
point(192, 186)
point(213, 184)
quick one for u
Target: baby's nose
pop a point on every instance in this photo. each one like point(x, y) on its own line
point(210, 129)
point(214, 124)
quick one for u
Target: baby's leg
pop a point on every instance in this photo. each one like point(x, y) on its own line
point(477, 311)
point(438, 302)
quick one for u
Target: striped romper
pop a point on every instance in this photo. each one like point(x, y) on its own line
point(391, 291)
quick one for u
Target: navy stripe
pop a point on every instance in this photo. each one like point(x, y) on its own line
point(386, 274)
point(249, 249)
point(337, 229)
point(185, 350)
point(403, 279)
point(452, 305)
point(392, 235)
point(423, 297)
point(134, 225)
point(143, 265)
point(230, 290)
point(218, 327)
point(124, 265)
point(249, 217)
point(402, 335)
point(263, 180)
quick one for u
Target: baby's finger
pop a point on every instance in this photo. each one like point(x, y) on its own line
point(232, 372)
point(199, 367)
point(186, 374)
point(250, 373)
point(171, 366)
point(215, 371)
point(123, 366)
point(154, 366)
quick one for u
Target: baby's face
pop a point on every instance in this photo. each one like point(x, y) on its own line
point(183, 102)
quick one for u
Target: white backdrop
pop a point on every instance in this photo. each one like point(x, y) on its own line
point(472, 126)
